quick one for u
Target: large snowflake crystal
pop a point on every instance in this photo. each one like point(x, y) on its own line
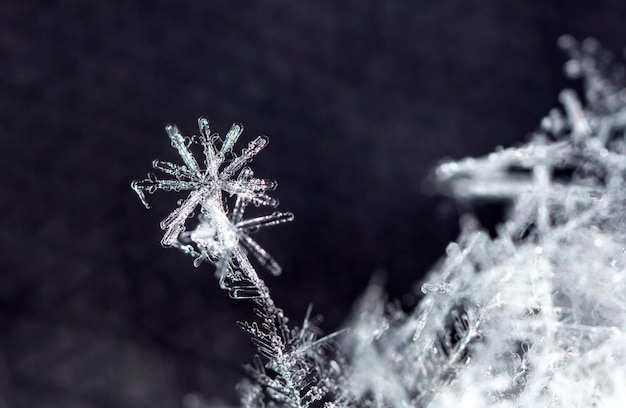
point(222, 234)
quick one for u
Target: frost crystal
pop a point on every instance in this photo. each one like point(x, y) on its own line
point(292, 369)
point(222, 235)
point(535, 316)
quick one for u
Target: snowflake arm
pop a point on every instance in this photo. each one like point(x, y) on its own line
point(254, 147)
point(174, 224)
point(229, 140)
point(179, 142)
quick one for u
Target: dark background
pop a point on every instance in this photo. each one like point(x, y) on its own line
point(359, 98)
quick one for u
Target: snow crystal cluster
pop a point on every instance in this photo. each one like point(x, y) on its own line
point(536, 315)
point(531, 316)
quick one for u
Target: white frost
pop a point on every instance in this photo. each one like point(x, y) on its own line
point(535, 316)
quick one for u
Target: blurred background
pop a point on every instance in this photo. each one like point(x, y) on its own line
point(360, 98)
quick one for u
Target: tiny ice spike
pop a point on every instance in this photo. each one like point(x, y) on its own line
point(222, 234)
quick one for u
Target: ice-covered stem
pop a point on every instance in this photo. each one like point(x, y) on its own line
point(296, 372)
point(294, 355)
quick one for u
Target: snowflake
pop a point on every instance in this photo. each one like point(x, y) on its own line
point(222, 235)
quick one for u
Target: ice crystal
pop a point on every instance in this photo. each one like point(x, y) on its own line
point(535, 316)
point(292, 369)
point(222, 235)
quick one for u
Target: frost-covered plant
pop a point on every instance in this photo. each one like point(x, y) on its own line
point(292, 370)
point(535, 316)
